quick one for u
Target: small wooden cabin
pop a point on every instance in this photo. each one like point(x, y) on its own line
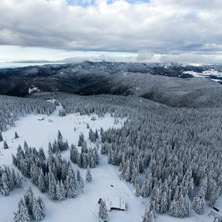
point(115, 203)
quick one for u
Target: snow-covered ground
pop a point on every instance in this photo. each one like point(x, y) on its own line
point(206, 73)
point(38, 130)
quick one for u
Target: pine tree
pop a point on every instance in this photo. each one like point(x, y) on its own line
point(78, 175)
point(1, 137)
point(16, 135)
point(38, 211)
point(42, 154)
point(88, 175)
point(103, 211)
point(28, 198)
point(164, 204)
point(5, 184)
point(148, 216)
point(59, 137)
point(199, 204)
point(5, 146)
point(52, 186)
point(81, 139)
point(81, 184)
point(22, 215)
point(70, 185)
point(173, 211)
point(60, 191)
point(41, 182)
point(18, 180)
point(42, 207)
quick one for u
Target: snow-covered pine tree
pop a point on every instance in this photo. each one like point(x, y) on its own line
point(70, 184)
point(5, 145)
point(37, 211)
point(81, 184)
point(22, 215)
point(42, 207)
point(5, 184)
point(78, 175)
point(88, 175)
point(1, 137)
point(199, 204)
point(16, 135)
point(18, 180)
point(52, 186)
point(81, 139)
point(173, 211)
point(164, 202)
point(41, 182)
point(59, 136)
point(42, 154)
point(103, 211)
point(60, 191)
point(148, 216)
point(28, 198)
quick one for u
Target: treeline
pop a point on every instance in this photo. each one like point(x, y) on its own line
point(12, 107)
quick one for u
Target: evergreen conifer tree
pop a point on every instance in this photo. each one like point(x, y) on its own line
point(103, 211)
point(1, 137)
point(199, 204)
point(81, 184)
point(22, 215)
point(5, 146)
point(16, 135)
point(88, 175)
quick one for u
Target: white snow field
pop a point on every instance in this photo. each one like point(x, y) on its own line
point(38, 130)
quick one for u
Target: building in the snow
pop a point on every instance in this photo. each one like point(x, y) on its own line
point(115, 203)
point(217, 214)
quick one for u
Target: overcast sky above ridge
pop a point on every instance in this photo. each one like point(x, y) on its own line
point(129, 30)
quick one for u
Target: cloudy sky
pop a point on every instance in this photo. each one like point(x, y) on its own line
point(125, 30)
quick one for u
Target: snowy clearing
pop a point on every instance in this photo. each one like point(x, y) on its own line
point(37, 131)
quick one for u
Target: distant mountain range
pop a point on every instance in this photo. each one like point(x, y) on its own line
point(150, 81)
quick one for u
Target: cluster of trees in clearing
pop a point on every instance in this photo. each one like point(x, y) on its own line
point(53, 174)
point(9, 180)
point(30, 208)
point(87, 157)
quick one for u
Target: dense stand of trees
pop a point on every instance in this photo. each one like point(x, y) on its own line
point(53, 174)
point(87, 157)
point(9, 180)
point(177, 149)
point(30, 208)
point(12, 107)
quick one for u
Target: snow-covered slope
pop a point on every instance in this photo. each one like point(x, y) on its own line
point(37, 131)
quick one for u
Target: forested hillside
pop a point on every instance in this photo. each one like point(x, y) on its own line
point(169, 155)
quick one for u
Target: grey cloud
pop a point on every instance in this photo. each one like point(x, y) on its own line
point(160, 27)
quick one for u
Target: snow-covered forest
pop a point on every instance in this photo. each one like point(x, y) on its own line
point(72, 150)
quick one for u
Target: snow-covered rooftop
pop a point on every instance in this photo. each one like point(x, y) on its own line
point(115, 203)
